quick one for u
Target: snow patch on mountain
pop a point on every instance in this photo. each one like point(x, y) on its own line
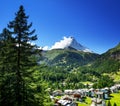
point(70, 42)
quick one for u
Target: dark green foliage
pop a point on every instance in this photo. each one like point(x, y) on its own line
point(20, 30)
point(61, 78)
point(71, 58)
point(104, 81)
point(6, 72)
point(109, 61)
point(17, 58)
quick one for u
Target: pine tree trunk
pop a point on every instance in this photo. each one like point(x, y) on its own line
point(18, 76)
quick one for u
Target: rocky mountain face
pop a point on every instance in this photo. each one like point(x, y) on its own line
point(74, 44)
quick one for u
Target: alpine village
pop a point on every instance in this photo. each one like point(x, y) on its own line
point(71, 76)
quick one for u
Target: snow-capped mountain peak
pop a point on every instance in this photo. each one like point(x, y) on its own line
point(70, 42)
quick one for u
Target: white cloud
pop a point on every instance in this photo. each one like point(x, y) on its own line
point(65, 42)
point(62, 44)
point(45, 48)
point(32, 43)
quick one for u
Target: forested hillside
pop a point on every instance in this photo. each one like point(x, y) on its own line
point(109, 61)
point(67, 58)
point(71, 68)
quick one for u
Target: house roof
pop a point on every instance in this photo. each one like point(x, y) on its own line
point(64, 102)
point(97, 100)
point(99, 93)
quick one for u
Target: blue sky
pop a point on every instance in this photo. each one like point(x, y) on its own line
point(93, 23)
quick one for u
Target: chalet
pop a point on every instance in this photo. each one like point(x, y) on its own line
point(106, 93)
point(80, 94)
point(114, 89)
point(66, 97)
point(57, 93)
point(99, 95)
point(66, 101)
point(77, 96)
point(118, 86)
point(98, 102)
point(84, 92)
point(91, 92)
point(68, 92)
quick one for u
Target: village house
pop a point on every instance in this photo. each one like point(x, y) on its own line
point(106, 93)
point(98, 96)
point(91, 92)
point(98, 102)
point(84, 92)
point(57, 93)
point(66, 101)
point(114, 89)
point(118, 86)
point(68, 92)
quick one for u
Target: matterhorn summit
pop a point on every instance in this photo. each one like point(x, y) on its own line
point(70, 42)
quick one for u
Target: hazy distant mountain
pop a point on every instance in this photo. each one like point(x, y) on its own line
point(70, 43)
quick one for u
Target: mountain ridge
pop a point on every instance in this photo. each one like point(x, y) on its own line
point(108, 61)
point(70, 42)
point(67, 57)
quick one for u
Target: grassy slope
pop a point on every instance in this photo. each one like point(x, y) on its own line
point(87, 102)
point(115, 99)
point(109, 61)
point(115, 76)
point(68, 57)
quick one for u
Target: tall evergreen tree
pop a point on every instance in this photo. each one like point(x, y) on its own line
point(17, 57)
point(6, 72)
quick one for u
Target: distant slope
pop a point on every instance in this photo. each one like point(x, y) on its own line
point(113, 53)
point(67, 57)
point(109, 61)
